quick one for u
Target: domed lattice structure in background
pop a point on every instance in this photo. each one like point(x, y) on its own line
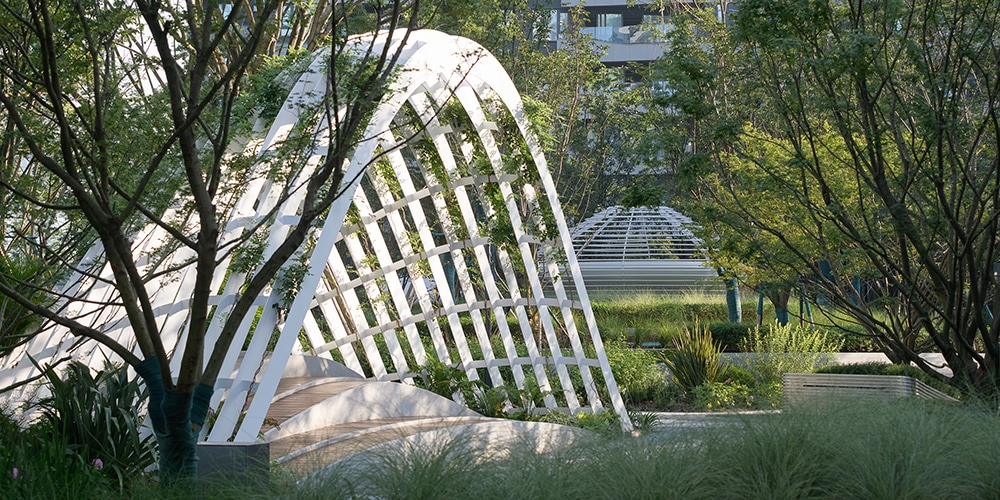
point(642, 248)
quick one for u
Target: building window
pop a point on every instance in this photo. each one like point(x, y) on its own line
point(557, 25)
point(609, 20)
point(608, 26)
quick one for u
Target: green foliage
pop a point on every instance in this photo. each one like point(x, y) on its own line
point(489, 402)
point(444, 380)
point(593, 126)
point(605, 423)
point(641, 194)
point(642, 421)
point(638, 373)
point(731, 336)
point(695, 360)
point(383, 167)
point(789, 349)
point(728, 395)
point(250, 254)
point(268, 87)
point(47, 467)
point(96, 416)
point(738, 374)
point(889, 449)
point(289, 279)
point(901, 449)
point(801, 164)
point(504, 401)
point(16, 321)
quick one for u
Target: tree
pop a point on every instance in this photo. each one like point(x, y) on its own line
point(862, 156)
point(600, 124)
point(595, 126)
point(118, 133)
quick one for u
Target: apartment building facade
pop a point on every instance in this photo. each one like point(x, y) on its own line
point(630, 31)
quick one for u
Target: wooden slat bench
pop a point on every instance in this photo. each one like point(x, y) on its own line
point(800, 387)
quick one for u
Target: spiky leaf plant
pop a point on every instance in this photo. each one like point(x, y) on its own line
point(695, 359)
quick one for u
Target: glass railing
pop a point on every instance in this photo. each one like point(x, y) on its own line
point(636, 34)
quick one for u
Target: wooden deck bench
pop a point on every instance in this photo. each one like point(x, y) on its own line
point(801, 387)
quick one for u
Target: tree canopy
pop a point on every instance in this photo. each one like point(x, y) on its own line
point(122, 116)
point(852, 147)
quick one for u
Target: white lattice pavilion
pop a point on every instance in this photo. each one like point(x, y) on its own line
point(642, 248)
point(406, 267)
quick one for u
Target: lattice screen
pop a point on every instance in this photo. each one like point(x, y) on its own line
point(431, 252)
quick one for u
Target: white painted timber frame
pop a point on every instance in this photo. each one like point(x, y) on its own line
point(401, 260)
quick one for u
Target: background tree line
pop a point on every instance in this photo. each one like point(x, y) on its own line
point(849, 149)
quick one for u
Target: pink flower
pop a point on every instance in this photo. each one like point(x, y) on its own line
point(15, 472)
point(98, 463)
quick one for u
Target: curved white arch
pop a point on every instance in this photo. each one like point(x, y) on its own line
point(390, 286)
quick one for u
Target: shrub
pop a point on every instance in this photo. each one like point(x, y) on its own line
point(869, 368)
point(738, 374)
point(637, 372)
point(724, 395)
point(789, 349)
point(444, 380)
point(523, 401)
point(489, 402)
point(97, 417)
point(731, 336)
point(695, 360)
point(47, 467)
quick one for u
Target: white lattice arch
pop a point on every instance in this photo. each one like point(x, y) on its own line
point(400, 272)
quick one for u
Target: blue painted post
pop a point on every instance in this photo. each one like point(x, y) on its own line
point(760, 307)
point(733, 300)
point(805, 301)
point(733, 304)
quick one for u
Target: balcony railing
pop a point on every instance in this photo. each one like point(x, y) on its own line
point(635, 34)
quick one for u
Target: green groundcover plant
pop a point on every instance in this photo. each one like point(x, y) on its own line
point(903, 448)
point(895, 449)
point(85, 436)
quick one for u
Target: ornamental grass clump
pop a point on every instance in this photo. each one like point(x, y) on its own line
point(695, 360)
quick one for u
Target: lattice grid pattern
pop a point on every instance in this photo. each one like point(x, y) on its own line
point(429, 258)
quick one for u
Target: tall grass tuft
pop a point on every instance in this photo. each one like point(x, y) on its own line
point(695, 359)
point(919, 450)
point(438, 468)
point(851, 449)
point(773, 458)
